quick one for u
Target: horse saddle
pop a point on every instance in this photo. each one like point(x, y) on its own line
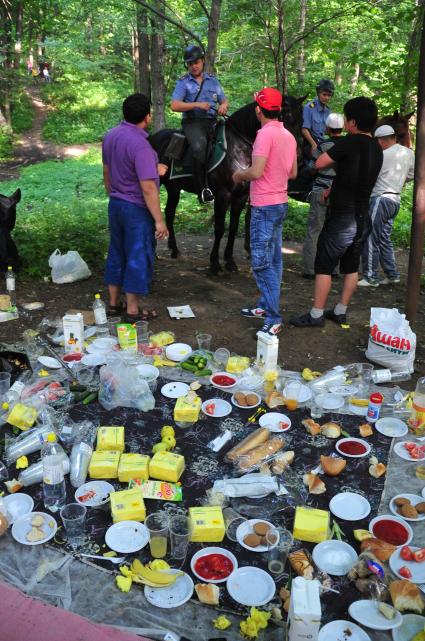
point(181, 156)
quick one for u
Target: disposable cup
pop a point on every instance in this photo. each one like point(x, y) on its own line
point(232, 521)
point(278, 551)
point(158, 524)
point(204, 341)
point(180, 532)
point(73, 517)
point(4, 383)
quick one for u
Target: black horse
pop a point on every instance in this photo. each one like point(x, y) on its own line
point(8, 252)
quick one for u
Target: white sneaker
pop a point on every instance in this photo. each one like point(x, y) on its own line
point(368, 283)
point(389, 281)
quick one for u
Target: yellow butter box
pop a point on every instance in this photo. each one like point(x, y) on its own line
point(166, 466)
point(184, 411)
point(110, 438)
point(208, 524)
point(133, 466)
point(127, 505)
point(104, 465)
point(311, 525)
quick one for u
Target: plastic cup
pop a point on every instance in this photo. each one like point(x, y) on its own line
point(180, 532)
point(277, 554)
point(158, 525)
point(73, 517)
point(4, 474)
point(365, 371)
point(113, 321)
point(143, 333)
point(232, 521)
point(204, 341)
point(292, 393)
point(4, 383)
point(221, 356)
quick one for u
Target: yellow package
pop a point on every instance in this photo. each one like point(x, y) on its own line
point(133, 466)
point(311, 525)
point(237, 364)
point(22, 416)
point(104, 465)
point(161, 339)
point(166, 466)
point(184, 411)
point(127, 505)
point(110, 438)
point(208, 524)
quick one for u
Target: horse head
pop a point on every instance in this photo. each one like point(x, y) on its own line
point(400, 124)
point(245, 121)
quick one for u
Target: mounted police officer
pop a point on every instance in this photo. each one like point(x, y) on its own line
point(199, 97)
point(315, 113)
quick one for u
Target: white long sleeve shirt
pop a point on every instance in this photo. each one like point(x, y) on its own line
point(397, 168)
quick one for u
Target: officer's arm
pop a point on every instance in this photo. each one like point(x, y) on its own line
point(324, 161)
point(307, 135)
point(180, 106)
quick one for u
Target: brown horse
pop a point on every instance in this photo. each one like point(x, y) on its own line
point(400, 124)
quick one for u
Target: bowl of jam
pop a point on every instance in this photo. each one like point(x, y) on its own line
point(213, 564)
point(223, 380)
point(353, 447)
point(391, 529)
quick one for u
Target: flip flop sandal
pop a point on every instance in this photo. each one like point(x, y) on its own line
point(116, 310)
point(148, 315)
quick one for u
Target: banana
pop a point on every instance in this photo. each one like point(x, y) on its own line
point(359, 402)
point(157, 577)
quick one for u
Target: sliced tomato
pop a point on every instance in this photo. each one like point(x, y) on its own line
point(405, 572)
point(409, 445)
point(210, 408)
point(419, 555)
point(415, 453)
point(406, 553)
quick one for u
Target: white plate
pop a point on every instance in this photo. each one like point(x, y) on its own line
point(17, 505)
point(271, 420)
point(417, 569)
point(177, 351)
point(49, 362)
point(22, 527)
point(175, 390)
point(213, 550)
point(404, 454)
point(337, 631)
point(349, 506)
point(92, 360)
point(334, 557)
point(221, 407)
point(223, 387)
point(251, 586)
point(172, 596)
point(247, 527)
point(390, 517)
point(91, 349)
point(304, 393)
point(367, 613)
point(246, 407)
point(126, 537)
point(414, 500)
point(102, 490)
point(105, 343)
point(412, 624)
point(344, 390)
point(330, 401)
point(352, 438)
point(392, 427)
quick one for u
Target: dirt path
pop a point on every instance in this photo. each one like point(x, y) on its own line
point(30, 148)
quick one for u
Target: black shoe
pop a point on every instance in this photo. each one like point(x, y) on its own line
point(339, 319)
point(309, 276)
point(207, 196)
point(307, 320)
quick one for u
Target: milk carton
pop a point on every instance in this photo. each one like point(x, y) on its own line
point(73, 332)
point(305, 610)
point(267, 349)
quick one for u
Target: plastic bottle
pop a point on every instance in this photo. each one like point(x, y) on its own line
point(417, 414)
point(100, 319)
point(52, 455)
point(14, 393)
point(374, 407)
point(11, 285)
point(34, 473)
point(387, 376)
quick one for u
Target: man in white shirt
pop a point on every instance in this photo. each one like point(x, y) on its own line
point(397, 169)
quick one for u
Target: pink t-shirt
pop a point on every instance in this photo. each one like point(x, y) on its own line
point(278, 145)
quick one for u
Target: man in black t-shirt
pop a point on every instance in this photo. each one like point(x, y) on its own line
point(358, 160)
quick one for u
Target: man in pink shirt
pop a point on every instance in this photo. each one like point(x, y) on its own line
point(274, 162)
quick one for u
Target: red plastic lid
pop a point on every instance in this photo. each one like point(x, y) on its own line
point(376, 397)
point(74, 356)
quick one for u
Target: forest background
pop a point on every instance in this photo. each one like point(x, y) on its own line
point(99, 52)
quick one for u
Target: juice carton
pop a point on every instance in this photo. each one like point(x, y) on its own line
point(73, 332)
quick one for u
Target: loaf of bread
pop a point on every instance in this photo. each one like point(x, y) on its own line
point(259, 454)
point(282, 461)
point(274, 399)
point(314, 483)
point(406, 596)
point(249, 443)
point(365, 430)
point(207, 593)
point(377, 469)
point(381, 549)
point(332, 465)
point(300, 563)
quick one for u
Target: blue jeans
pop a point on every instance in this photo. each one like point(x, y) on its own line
point(378, 248)
point(131, 252)
point(266, 256)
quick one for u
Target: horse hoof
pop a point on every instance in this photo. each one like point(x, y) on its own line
point(175, 253)
point(215, 269)
point(231, 266)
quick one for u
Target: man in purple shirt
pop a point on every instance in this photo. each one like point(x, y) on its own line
point(130, 175)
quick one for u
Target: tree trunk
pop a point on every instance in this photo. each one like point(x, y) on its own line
point(407, 79)
point(157, 66)
point(18, 28)
point(355, 78)
point(338, 73)
point(143, 70)
point(301, 54)
point(213, 29)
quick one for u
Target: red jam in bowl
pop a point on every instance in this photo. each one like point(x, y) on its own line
point(391, 532)
point(214, 567)
point(352, 447)
point(223, 380)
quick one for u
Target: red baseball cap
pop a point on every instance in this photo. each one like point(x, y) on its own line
point(269, 98)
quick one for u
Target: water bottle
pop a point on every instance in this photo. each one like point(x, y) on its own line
point(11, 285)
point(102, 328)
point(52, 455)
point(14, 393)
point(387, 376)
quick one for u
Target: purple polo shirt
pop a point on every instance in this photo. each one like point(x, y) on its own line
point(130, 159)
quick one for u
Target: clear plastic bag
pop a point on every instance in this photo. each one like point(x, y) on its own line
point(67, 268)
point(121, 385)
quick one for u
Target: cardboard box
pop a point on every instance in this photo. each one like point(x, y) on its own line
point(127, 505)
point(311, 525)
point(73, 332)
point(110, 438)
point(104, 465)
point(133, 466)
point(208, 524)
point(166, 466)
point(184, 411)
point(159, 490)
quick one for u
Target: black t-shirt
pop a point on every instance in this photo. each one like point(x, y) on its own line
point(358, 160)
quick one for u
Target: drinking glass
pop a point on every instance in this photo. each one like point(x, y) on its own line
point(4, 383)
point(316, 410)
point(158, 524)
point(292, 393)
point(204, 341)
point(73, 517)
point(278, 552)
point(113, 321)
point(180, 532)
point(232, 521)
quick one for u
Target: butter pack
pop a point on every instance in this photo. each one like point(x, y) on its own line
point(208, 524)
point(189, 412)
point(22, 416)
point(133, 466)
point(311, 525)
point(166, 466)
point(127, 505)
point(110, 438)
point(104, 465)
point(159, 490)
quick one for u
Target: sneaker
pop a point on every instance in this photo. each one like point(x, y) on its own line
point(207, 196)
point(364, 282)
point(339, 319)
point(390, 281)
point(253, 312)
point(272, 329)
point(307, 320)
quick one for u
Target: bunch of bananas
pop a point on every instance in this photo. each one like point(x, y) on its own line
point(309, 375)
point(168, 441)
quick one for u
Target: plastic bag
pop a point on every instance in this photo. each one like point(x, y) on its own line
point(121, 385)
point(392, 343)
point(67, 268)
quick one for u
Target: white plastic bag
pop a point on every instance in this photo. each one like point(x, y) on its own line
point(67, 268)
point(391, 340)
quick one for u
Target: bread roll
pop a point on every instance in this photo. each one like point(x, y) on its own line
point(257, 455)
point(420, 507)
point(301, 564)
point(261, 435)
point(207, 593)
point(332, 465)
point(314, 483)
point(377, 469)
point(251, 399)
point(240, 398)
point(274, 399)
point(331, 430)
point(311, 426)
point(409, 511)
point(365, 430)
point(406, 596)
point(381, 549)
point(282, 461)
point(400, 500)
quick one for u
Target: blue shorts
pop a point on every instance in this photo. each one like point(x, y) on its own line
point(131, 252)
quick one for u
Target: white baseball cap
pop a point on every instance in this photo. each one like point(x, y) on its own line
point(384, 130)
point(335, 121)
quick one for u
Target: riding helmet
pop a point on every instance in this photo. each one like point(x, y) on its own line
point(325, 85)
point(192, 53)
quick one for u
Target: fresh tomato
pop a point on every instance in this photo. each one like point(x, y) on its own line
point(419, 555)
point(405, 572)
point(210, 408)
point(406, 553)
point(409, 445)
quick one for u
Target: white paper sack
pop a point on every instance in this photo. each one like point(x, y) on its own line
point(392, 343)
point(248, 485)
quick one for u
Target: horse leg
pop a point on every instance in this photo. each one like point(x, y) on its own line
point(220, 208)
point(247, 241)
point(236, 206)
point(173, 197)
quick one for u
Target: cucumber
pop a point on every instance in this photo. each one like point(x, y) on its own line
point(189, 367)
point(204, 372)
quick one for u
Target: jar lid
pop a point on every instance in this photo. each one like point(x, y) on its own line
point(376, 397)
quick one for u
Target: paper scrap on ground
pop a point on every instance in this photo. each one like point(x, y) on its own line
point(182, 311)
